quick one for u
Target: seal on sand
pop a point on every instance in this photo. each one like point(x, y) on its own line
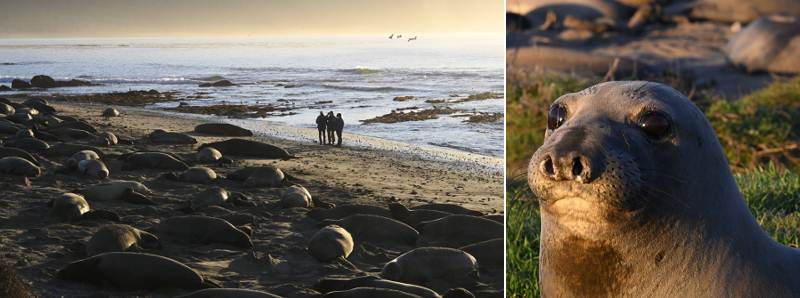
point(228, 292)
point(134, 271)
point(129, 191)
point(159, 136)
point(449, 208)
point(458, 230)
point(376, 229)
point(426, 264)
point(269, 176)
point(414, 217)
point(223, 129)
point(71, 207)
point(19, 166)
point(489, 254)
point(638, 199)
point(339, 284)
point(771, 43)
point(249, 148)
point(119, 237)
point(202, 175)
point(331, 243)
point(93, 168)
point(208, 154)
point(204, 229)
point(346, 210)
point(296, 196)
point(79, 156)
point(365, 292)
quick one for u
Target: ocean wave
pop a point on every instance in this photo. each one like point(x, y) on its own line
point(360, 70)
point(158, 81)
point(367, 88)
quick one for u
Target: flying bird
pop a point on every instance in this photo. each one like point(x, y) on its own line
point(413, 38)
point(390, 36)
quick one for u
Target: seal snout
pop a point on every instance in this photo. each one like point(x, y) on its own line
point(572, 166)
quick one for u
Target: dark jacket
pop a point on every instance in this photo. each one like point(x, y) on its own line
point(338, 123)
point(321, 121)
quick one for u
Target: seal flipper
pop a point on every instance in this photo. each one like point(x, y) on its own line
point(101, 215)
point(149, 240)
point(399, 211)
point(133, 197)
point(348, 264)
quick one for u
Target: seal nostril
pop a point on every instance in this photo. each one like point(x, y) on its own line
point(577, 167)
point(548, 167)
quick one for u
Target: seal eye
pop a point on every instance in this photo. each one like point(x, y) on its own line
point(556, 116)
point(656, 125)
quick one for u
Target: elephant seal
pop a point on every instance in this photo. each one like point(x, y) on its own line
point(204, 229)
point(265, 176)
point(7, 109)
point(70, 207)
point(79, 156)
point(376, 229)
point(365, 292)
point(129, 191)
point(72, 133)
point(228, 293)
point(210, 197)
point(159, 136)
point(208, 155)
point(68, 149)
point(74, 123)
point(110, 112)
point(93, 168)
point(458, 230)
point(296, 196)
point(105, 139)
point(119, 238)
point(331, 243)
point(346, 210)
point(449, 208)
point(134, 271)
point(28, 144)
point(414, 217)
point(771, 44)
point(425, 264)
point(9, 151)
point(624, 181)
point(223, 130)
point(489, 254)
point(249, 148)
point(202, 175)
point(14, 165)
point(326, 285)
point(153, 160)
point(744, 11)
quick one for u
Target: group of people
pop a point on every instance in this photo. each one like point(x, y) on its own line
point(329, 124)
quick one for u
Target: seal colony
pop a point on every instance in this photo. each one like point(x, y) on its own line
point(637, 199)
point(215, 212)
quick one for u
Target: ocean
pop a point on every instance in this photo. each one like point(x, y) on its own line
point(357, 76)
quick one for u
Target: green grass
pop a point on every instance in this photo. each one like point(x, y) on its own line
point(763, 120)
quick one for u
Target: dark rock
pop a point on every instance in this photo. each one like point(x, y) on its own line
point(73, 83)
point(20, 84)
point(43, 81)
point(221, 83)
point(223, 129)
point(5, 88)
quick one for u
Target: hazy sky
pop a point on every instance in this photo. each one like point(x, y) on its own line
point(150, 18)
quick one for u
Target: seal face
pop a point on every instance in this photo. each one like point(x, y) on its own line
point(637, 199)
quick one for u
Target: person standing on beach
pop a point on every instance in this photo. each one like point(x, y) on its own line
point(339, 127)
point(321, 126)
point(330, 125)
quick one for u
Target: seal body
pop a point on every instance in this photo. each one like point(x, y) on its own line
point(204, 229)
point(627, 209)
point(93, 168)
point(114, 190)
point(449, 208)
point(331, 243)
point(364, 292)
point(159, 136)
point(414, 217)
point(268, 176)
point(459, 230)
point(771, 44)
point(296, 196)
point(68, 207)
point(133, 271)
point(19, 166)
point(346, 210)
point(200, 175)
point(79, 156)
point(227, 292)
point(154, 160)
point(223, 129)
point(249, 148)
point(377, 229)
point(208, 154)
point(210, 197)
point(340, 284)
point(426, 264)
point(120, 238)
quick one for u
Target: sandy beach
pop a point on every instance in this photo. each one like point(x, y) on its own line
point(365, 170)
